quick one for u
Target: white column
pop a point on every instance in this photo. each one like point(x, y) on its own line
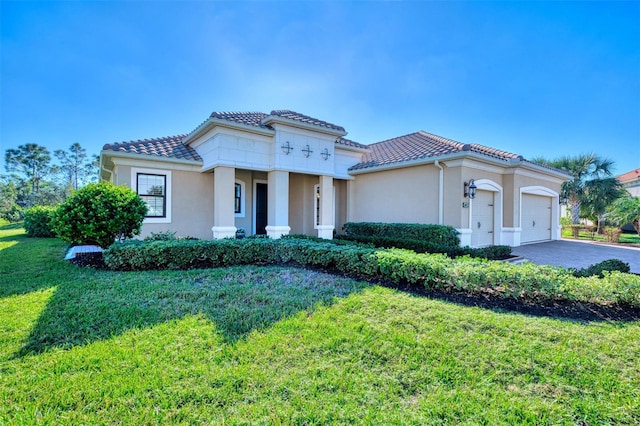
point(327, 225)
point(278, 204)
point(224, 218)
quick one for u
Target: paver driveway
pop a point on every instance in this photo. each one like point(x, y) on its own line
point(577, 254)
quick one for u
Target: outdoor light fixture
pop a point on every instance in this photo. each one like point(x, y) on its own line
point(470, 189)
point(307, 151)
point(286, 148)
point(325, 154)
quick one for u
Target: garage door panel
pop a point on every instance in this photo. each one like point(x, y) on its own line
point(536, 218)
point(482, 219)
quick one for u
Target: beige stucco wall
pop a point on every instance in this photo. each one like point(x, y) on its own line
point(407, 195)
point(301, 203)
point(524, 180)
point(301, 215)
point(191, 202)
point(410, 194)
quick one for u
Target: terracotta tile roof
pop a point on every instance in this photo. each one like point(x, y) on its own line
point(349, 142)
point(632, 176)
point(248, 118)
point(420, 145)
point(169, 147)
point(292, 115)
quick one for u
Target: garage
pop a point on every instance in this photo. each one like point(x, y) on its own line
point(482, 219)
point(536, 218)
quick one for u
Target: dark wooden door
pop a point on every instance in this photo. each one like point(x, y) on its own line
point(261, 208)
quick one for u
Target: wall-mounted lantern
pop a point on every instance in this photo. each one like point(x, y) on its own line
point(307, 151)
point(563, 200)
point(470, 189)
point(325, 154)
point(286, 148)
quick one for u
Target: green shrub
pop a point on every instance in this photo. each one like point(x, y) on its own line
point(38, 221)
point(432, 271)
point(598, 269)
point(161, 236)
point(612, 234)
point(100, 213)
point(489, 252)
point(14, 214)
point(445, 236)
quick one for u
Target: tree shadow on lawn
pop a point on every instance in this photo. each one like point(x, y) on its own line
point(239, 300)
point(31, 264)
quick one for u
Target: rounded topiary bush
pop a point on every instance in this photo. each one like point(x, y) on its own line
point(100, 213)
point(37, 221)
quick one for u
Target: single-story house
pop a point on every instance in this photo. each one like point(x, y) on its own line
point(631, 182)
point(285, 172)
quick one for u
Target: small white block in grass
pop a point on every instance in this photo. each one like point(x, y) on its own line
point(73, 251)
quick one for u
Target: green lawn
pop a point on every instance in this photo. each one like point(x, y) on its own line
point(274, 345)
point(625, 238)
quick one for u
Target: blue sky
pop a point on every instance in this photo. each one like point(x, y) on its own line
point(533, 78)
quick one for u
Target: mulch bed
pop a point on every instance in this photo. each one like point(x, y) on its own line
point(563, 309)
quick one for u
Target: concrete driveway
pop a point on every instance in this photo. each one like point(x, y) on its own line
point(577, 254)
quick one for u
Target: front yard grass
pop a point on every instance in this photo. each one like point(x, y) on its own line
point(287, 346)
point(625, 238)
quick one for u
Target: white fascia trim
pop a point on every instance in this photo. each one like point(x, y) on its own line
point(301, 125)
point(156, 164)
point(428, 160)
point(146, 157)
point(212, 122)
point(351, 148)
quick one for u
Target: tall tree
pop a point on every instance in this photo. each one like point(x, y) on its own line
point(598, 195)
point(30, 160)
point(92, 169)
point(587, 170)
point(73, 163)
point(626, 209)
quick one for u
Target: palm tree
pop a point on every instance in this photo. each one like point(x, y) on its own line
point(598, 195)
point(589, 171)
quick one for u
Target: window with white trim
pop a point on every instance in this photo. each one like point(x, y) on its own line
point(152, 189)
point(316, 205)
point(238, 198)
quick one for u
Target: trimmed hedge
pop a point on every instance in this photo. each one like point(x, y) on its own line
point(445, 236)
point(597, 269)
point(491, 252)
point(38, 221)
point(527, 281)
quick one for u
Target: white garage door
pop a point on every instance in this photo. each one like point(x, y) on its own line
point(482, 219)
point(536, 218)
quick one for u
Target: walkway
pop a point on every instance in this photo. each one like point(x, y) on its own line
point(577, 254)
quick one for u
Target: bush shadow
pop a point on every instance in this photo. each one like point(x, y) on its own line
point(31, 264)
point(239, 300)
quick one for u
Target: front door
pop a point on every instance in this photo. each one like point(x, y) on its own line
point(261, 208)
